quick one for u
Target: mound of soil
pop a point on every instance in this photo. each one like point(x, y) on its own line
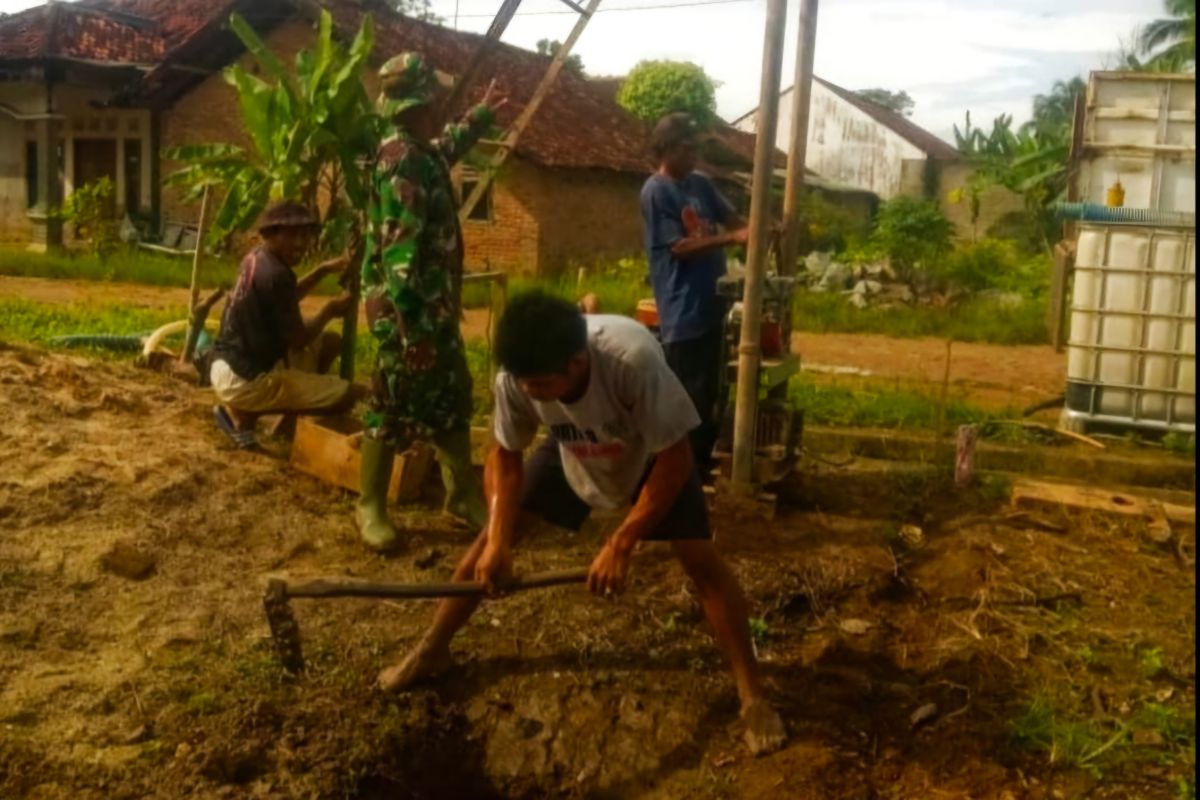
point(901, 673)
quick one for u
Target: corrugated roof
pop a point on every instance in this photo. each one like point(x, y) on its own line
point(919, 137)
point(911, 132)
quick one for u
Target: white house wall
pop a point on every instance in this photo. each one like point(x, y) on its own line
point(845, 145)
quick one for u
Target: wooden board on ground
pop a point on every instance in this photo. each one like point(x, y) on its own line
point(325, 448)
point(1028, 493)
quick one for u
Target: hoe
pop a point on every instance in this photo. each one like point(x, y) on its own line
point(285, 633)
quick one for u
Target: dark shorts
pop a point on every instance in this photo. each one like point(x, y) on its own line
point(548, 495)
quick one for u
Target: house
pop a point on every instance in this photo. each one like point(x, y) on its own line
point(105, 87)
point(856, 143)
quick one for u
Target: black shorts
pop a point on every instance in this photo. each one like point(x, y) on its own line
point(548, 495)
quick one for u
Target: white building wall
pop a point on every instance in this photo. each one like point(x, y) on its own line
point(845, 145)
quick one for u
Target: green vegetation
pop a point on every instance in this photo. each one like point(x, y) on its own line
point(881, 406)
point(27, 321)
point(1082, 743)
point(978, 320)
point(900, 101)
point(308, 129)
point(618, 286)
point(759, 631)
point(1181, 444)
point(915, 236)
point(126, 264)
point(87, 211)
point(654, 89)
point(550, 48)
point(1169, 44)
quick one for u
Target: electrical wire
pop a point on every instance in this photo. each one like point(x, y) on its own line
point(603, 10)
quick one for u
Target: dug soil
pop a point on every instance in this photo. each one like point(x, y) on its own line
point(992, 656)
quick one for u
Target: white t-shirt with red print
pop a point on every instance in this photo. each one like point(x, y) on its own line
point(634, 407)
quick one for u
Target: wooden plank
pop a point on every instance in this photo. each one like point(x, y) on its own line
point(330, 455)
point(1029, 493)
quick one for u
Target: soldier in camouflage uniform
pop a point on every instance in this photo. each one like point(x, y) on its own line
point(412, 285)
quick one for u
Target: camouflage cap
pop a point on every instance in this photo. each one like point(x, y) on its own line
point(408, 80)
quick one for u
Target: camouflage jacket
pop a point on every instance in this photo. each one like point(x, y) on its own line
point(412, 279)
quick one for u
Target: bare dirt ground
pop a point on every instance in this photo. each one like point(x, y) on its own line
point(992, 376)
point(165, 686)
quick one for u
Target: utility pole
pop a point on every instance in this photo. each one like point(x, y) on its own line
point(801, 101)
point(749, 349)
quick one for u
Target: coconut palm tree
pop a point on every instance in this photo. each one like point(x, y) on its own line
point(1170, 43)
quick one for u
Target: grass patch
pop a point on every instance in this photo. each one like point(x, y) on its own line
point(880, 406)
point(126, 265)
point(979, 320)
point(1042, 728)
point(28, 321)
point(617, 294)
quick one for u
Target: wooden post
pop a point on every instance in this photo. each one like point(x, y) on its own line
point(746, 409)
point(801, 101)
point(196, 325)
point(526, 115)
point(494, 32)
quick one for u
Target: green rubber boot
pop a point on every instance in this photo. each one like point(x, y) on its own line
point(373, 523)
point(464, 494)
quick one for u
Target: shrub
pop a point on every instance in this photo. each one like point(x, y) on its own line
point(88, 211)
point(915, 235)
point(657, 88)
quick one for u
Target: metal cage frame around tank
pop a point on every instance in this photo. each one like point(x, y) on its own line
point(1084, 397)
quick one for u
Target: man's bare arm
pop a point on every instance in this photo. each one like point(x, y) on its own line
point(696, 245)
point(308, 282)
point(503, 476)
point(670, 473)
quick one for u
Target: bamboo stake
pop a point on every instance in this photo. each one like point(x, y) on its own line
point(196, 325)
point(801, 101)
point(749, 347)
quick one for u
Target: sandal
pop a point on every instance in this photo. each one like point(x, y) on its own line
point(243, 440)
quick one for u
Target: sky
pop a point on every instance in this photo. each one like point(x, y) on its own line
point(985, 56)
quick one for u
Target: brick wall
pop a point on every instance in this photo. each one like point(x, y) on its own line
point(586, 217)
point(509, 242)
point(543, 220)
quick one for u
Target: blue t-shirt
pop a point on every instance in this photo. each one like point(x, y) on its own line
point(685, 290)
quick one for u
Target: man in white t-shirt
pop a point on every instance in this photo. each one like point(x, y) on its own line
point(618, 420)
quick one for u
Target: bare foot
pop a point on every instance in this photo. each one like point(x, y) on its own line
point(764, 729)
point(423, 662)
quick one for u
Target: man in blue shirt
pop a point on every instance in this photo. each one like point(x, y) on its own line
point(687, 226)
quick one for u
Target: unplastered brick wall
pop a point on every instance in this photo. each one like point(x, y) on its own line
point(586, 217)
point(509, 241)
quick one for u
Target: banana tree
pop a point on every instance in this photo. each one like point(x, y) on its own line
point(312, 132)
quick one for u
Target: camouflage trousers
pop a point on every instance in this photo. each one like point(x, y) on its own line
point(427, 397)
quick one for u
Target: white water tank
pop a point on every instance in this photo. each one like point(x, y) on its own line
point(1131, 355)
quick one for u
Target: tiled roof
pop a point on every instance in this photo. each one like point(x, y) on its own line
point(78, 32)
point(578, 125)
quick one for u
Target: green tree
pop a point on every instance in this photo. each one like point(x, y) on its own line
point(550, 49)
point(654, 89)
point(308, 130)
point(417, 9)
point(1169, 44)
point(1055, 111)
point(899, 101)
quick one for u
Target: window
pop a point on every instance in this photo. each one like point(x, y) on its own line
point(31, 174)
point(482, 212)
point(133, 176)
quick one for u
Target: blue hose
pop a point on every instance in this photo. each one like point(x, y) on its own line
point(1094, 212)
